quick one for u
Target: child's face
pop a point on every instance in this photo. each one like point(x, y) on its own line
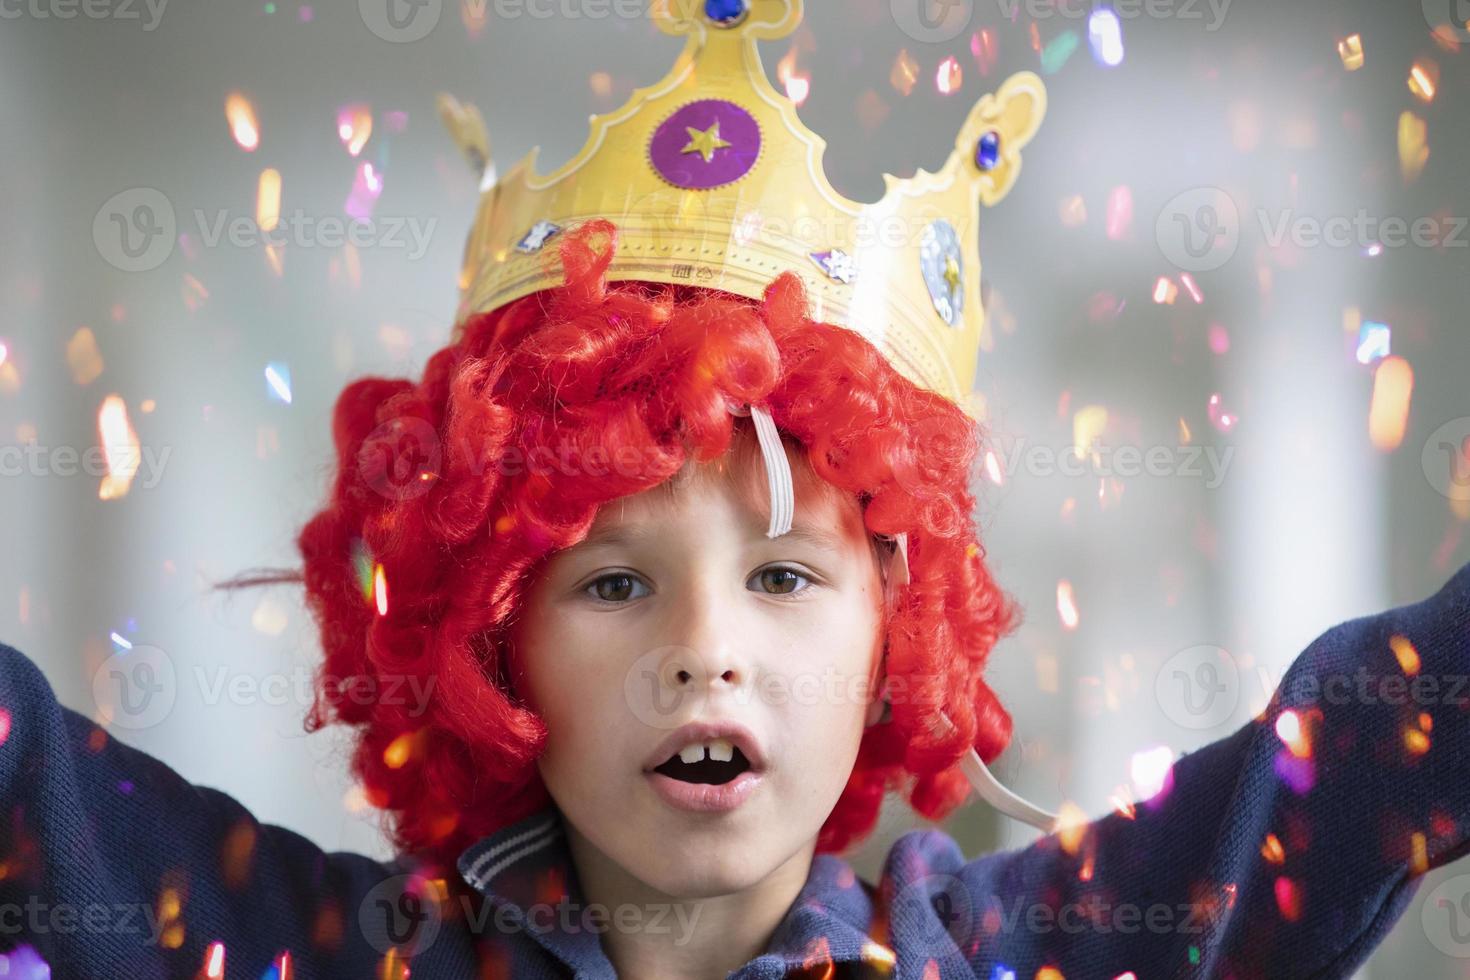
point(697, 616)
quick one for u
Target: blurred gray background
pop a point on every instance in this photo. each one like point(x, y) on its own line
point(1225, 135)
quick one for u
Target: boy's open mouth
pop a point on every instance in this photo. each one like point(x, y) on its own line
point(706, 769)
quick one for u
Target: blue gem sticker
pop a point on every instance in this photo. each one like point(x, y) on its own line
point(537, 236)
point(987, 151)
point(838, 265)
point(726, 13)
point(944, 270)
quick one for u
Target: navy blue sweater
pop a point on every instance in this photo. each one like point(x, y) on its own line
point(1256, 861)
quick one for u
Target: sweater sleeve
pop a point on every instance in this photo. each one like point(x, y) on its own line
point(112, 865)
point(1286, 849)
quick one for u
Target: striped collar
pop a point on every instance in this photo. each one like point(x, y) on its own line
point(528, 864)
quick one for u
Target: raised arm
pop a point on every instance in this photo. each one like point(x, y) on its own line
point(1273, 854)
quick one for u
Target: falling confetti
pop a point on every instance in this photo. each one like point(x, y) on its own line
point(278, 381)
point(984, 49)
point(1219, 418)
point(1373, 341)
point(1388, 415)
point(354, 126)
point(1059, 51)
point(1413, 145)
point(1288, 899)
point(380, 589)
point(268, 199)
point(797, 85)
point(1350, 50)
point(1404, 653)
point(367, 184)
point(950, 77)
point(119, 447)
point(1105, 34)
point(1151, 771)
point(241, 116)
point(1424, 79)
point(1066, 605)
point(82, 357)
point(1120, 213)
point(905, 73)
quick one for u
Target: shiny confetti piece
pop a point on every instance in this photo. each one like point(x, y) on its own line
point(796, 85)
point(268, 199)
point(1073, 211)
point(949, 77)
point(1002, 972)
point(1388, 414)
point(1415, 741)
point(1151, 771)
point(1352, 319)
point(601, 84)
point(1299, 774)
point(362, 566)
point(237, 853)
point(1071, 826)
point(120, 641)
point(402, 749)
point(193, 292)
point(1413, 145)
point(1418, 853)
point(269, 618)
point(1272, 850)
point(1373, 341)
point(4, 725)
point(984, 49)
point(1088, 424)
point(119, 447)
point(24, 963)
point(905, 72)
point(1105, 34)
point(1293, 734)
point(1424, 79)
point(214, 961)
point(1288, 898)
point(1165, 292)
point(993, 471)
point(474, 16)
point(1049, 973)
point(1066, 605)
point(380, 589)
point(278, 381)
point(1120, 213)
point(355, 127)
point(1404, 653)
point(1192, 288)
point(367, 185)
point(1222, 420)
point(4, 353)
point(1059, 51)
point(82, 356)
point(240, 114)
point(1350, 50)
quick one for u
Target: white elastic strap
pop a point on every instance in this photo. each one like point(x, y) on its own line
point(778, 469)
point(991, 791)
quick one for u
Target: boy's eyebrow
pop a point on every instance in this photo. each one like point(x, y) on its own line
point(633, 533)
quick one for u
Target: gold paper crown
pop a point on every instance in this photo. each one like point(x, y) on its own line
point(713, 181)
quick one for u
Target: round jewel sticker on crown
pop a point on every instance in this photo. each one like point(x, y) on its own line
point(713, 180)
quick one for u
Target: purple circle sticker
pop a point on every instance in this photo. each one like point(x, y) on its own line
point(705, 144)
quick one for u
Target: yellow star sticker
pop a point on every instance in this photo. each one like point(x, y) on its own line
point(951, 272)
point(705, 141)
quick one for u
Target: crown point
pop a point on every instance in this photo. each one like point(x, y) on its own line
point(726, 13)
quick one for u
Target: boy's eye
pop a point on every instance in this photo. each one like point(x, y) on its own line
point(618, 587)
point(780, 579)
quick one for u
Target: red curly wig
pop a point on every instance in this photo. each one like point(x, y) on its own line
point(436, 525)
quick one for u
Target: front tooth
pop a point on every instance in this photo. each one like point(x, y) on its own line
point(722, 750)
point(690, 754)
